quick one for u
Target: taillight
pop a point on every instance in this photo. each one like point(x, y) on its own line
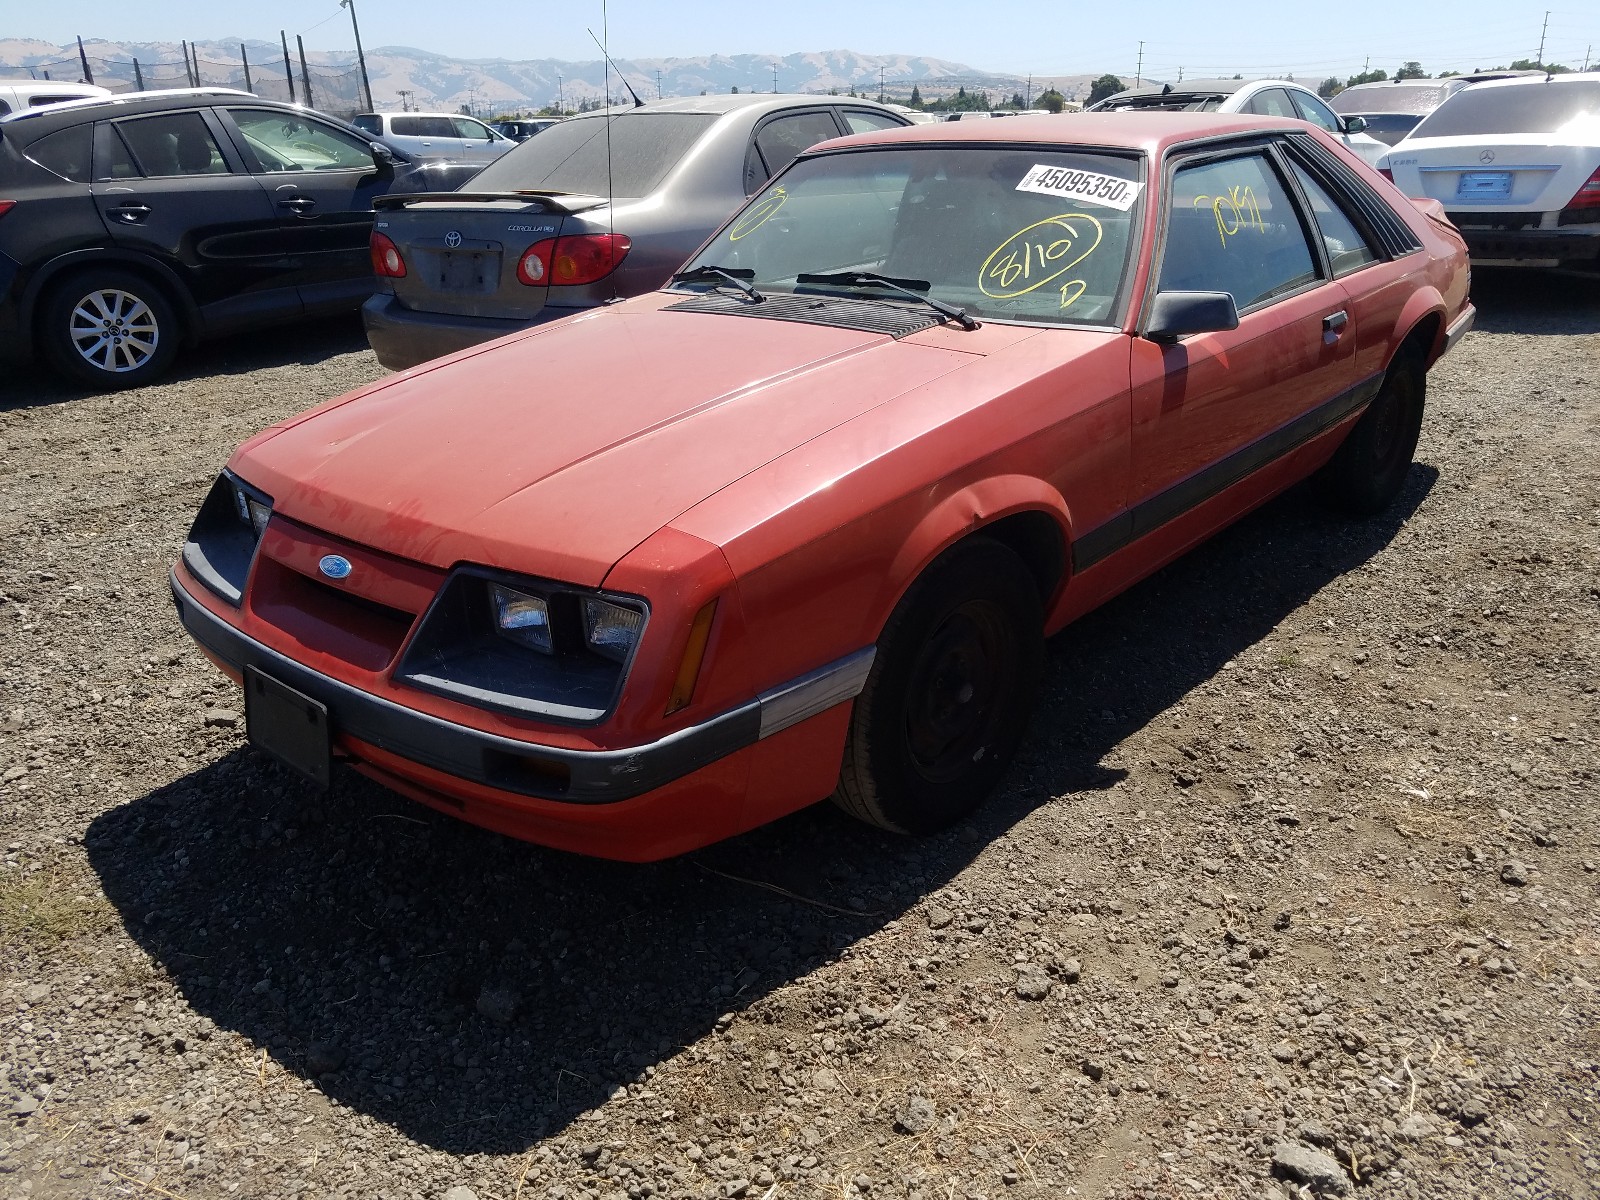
point(386, 260)
point(533, 268)
point(1588, 196)
point(1386, 173)
point(6, 206)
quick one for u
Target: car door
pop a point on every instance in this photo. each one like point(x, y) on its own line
point(1211, 408)
point(171, 187)
point(321, 181)
point(781, 139)
point(475, 141)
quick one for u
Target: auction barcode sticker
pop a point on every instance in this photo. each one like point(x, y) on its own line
point(1088, 186)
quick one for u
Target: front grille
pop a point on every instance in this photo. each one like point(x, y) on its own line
point(869, 316)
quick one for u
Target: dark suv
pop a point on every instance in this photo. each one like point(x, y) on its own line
point(134, 224)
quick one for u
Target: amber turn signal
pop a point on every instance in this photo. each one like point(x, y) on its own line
point(693, 654)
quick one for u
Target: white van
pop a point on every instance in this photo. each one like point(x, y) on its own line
point(19, 95)
point(436, 135)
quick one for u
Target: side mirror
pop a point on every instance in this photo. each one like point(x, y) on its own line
point(381, 154)
point(1353, 124)
point(1177, 313)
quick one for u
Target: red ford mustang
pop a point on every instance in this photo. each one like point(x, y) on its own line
point(796, 525)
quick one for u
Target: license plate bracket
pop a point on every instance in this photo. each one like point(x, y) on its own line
point(467, 272)
point(1484, 185)
point(290, 726)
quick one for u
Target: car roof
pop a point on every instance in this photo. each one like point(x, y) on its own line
point(1153, 133)
point(730, 103)
point(127, 102)
point(1540, 79)
point(1196, 88)
point(45, 86)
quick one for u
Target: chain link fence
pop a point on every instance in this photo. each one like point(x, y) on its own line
point(335, 89)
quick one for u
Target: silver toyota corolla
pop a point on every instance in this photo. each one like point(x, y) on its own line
point(599, 206)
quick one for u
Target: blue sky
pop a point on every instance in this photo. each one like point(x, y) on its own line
point(1045, 39)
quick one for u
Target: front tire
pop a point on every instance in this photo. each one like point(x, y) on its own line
point(1367, 472)
point(948, 699)
point(108, 329)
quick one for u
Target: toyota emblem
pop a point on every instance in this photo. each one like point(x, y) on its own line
point(1486, 157)
point(453, 238)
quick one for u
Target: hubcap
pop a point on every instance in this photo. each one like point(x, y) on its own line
point(955, 689)
point(114, 331)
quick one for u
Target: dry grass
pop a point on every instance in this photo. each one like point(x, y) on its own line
point(43, 909)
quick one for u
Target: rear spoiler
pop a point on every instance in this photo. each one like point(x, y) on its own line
point(548, 201)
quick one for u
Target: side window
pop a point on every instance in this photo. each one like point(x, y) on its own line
point(1233, 228)
point(58, 98)
point(476, 131)
point(369, 123)
point(285, 142)
point(860, 121)
point(4, 108)
point(1347, 249)
point(1314, 110)
point(437, 127)
point(405, 126)
point(66, 152)
point(174, 144)
point(112, 159)
point(1274, 102)
point(782, 141)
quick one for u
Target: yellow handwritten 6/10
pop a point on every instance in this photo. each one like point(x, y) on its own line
point(1234, 211)
point(758, 214)
point(1040, 254)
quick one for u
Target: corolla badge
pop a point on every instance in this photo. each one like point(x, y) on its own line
point(452, 239)
point(335, 566)
point(1486, 157)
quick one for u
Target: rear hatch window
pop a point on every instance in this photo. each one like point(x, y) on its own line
point(571, 156)
point(1522, 108)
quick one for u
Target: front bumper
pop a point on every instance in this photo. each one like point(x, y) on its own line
point(403, 337)
point(513, 768)
point(1531, 247)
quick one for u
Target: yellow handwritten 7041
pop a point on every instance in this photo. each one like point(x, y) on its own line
point(1235, 211)
point(1044, 251)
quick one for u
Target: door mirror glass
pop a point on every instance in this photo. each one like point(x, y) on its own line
point(1354, 124)
point(1175, 314)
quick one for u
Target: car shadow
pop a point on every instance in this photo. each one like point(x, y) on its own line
point(477, 993)
point(304, 342)
point(1536, 301)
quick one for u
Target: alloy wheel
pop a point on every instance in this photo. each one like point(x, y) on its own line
point(114, 331)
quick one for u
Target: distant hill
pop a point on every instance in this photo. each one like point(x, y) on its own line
point(439, 82)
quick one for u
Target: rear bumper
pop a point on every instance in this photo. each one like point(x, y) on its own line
point(1531, 247)
point(403, 337)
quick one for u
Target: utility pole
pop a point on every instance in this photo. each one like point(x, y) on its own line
point(561, 104)
point(366, 84)
point(774, 79)
point(1030, 93)
point(1180, 74)
point(1542, 30)
point(1138, 72)
point(658, 83)
point(880, 85)
point(1586, 51)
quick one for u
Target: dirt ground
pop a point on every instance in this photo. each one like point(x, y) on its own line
point(1292, 891)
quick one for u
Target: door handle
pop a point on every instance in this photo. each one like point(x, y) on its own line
point(1334, 322)
point(130, 214)
point(300, 204)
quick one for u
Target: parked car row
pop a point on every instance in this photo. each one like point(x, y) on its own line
point(794, 522)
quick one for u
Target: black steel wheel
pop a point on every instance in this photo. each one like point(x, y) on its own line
point(949, 695)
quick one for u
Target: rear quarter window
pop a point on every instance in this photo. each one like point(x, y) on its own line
point(66, 152)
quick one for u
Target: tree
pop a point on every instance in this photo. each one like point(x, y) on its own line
point(1051, 100)
point(1017, 101)
point(1527, 64)
point(1412, 70)
point(1329, 88)
point(1106, 85)
point(916, 97)
point(1377, 76)
point(735, 90)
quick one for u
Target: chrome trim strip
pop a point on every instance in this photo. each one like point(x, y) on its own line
point(1459, 328)
point(793, 702)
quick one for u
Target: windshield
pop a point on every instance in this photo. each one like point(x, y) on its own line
point(1023, 234)
point(1390, 98)
point(1517, 108)
point(1389, 128)
point(571, 156)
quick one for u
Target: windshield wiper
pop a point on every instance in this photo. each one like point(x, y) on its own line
point(915, 288)
point(734, 275)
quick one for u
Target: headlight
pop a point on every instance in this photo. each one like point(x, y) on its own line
point(222, 542)
point(610, 629)
point(523, 618)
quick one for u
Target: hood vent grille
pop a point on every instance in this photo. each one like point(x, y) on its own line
point(868, 316)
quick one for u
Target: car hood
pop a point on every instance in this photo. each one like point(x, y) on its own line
point(556, 451)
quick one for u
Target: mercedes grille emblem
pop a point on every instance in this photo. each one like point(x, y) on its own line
point(335, 566)
point(453, 238)
point(1486, 157)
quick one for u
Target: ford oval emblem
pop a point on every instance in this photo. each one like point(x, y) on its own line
point(452, 239)
point(335, 566)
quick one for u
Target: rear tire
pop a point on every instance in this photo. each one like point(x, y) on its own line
point(108, 329)
point(948, 699)
point(1367, 472)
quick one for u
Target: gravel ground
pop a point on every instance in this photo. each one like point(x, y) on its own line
point(1293, 887)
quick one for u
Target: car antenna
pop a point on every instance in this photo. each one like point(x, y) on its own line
point(637, 103)
point(611, 207)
